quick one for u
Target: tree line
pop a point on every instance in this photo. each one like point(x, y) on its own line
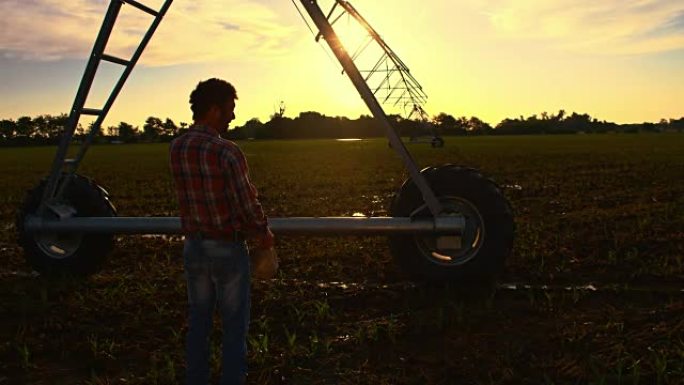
point(47, 129)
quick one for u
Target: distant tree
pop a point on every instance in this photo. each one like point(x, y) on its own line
point(309, 124)
point(183, 128)
point(281, 111)
point(276, 128)
point(7, 129)
point(79, 131)
point(367, 126)
point(310, 116)
point(576, 123)
point(508, 126)
point(545, 123)
point(249, 130)
point(169, 128)
point(24, 127)
point(39, 127)
point(252, 127)
point(44, 129)
point(478, 127)
point(448, 125)
point(559, 116)
point(97, 135)
point(677, 124)
point(55, 126)
point(152, 128)
point(127, 133)
point(404, 127)
point(112, 131)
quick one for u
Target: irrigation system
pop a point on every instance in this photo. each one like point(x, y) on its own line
point(447, 223)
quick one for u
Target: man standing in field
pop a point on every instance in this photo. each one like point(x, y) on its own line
point(219, 210)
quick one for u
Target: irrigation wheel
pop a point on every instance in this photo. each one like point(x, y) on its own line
point(69, 253)
point(477, 256)
point(437, 141)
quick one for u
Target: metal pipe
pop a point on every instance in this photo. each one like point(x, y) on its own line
point(290, 226)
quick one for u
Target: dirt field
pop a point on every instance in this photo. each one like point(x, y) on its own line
point(593, 293)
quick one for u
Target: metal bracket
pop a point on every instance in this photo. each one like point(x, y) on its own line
point(62, 211)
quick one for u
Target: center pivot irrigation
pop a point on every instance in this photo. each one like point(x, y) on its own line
point(448, 223)
point(387, 76)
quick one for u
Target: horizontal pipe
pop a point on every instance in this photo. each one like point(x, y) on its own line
point(291, 225)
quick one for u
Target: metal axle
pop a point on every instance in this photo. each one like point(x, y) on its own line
point(452, 225)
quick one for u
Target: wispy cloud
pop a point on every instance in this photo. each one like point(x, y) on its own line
point(193, 31)
point(606, 26)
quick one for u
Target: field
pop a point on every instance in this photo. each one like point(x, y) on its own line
point(593, 293)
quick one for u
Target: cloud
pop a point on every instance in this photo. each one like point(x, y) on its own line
point(590, 26)
point(192, 31)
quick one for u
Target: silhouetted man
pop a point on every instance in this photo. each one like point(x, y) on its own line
point(219, 210)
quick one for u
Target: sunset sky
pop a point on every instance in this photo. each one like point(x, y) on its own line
point(618, 60)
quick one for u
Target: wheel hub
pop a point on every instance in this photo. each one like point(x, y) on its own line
point(58, 245)
point(453, 249)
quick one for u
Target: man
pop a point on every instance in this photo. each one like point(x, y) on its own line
point(219, 209)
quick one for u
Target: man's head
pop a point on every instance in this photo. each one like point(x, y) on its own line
point(213, 104)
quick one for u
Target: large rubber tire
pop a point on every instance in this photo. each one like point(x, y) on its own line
point(72, 253)
point(437, 142)
point(484, 245)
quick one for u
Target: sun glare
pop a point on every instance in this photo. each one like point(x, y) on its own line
point(374, 63)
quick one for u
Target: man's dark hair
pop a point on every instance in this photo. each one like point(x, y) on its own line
point(208, 93)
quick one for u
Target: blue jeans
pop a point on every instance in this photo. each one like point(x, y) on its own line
point(217, 273)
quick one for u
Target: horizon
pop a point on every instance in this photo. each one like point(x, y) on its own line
point(619, 61)
point(366, 115)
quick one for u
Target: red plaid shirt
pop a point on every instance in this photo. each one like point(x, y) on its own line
point(215, 195)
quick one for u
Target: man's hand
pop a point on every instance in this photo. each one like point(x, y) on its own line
point(266, 241)
point(263, 257)
point(264, 263)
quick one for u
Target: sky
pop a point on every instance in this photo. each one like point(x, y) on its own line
point(617, 60)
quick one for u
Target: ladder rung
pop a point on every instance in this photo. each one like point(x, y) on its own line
point(91, 111)
point(142, 7)
point(114, 59)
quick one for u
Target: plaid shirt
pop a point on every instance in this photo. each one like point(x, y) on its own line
point(215, 195)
